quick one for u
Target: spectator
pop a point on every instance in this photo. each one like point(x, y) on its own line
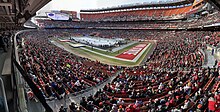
point(211, 104)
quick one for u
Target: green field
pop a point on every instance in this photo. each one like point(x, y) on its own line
point(120, 62)
point(93, 56)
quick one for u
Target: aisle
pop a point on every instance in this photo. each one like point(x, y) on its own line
point(56, 104)
point(210, 59)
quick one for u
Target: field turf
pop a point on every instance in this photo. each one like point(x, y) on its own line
point(103, 59)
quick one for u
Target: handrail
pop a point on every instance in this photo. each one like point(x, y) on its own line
point(21, 101)
point(4, 96)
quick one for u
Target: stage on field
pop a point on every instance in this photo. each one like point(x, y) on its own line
point(97, 41)
point(77, 45)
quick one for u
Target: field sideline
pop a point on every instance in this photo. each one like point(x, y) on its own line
point(107, 57)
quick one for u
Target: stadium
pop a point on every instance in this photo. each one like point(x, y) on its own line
point(161, 56)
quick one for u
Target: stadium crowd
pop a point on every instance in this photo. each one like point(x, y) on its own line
point(57, 72)
point(152, 13)
point(207, 20)
point(184, 92)
point(194, 23)
point(171, 78)
point(163, 91)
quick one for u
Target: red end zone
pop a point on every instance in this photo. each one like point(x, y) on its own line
point(65, 40)
point(133, 52)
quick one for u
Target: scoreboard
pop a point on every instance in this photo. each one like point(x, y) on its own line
point(58, 15)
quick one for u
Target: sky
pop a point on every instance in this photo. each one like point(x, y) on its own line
point(76, 5)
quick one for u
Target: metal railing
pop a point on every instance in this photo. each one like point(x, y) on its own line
point(20, 94)
point(2, 89)
point(21, 78)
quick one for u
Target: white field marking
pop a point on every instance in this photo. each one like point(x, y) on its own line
point(113, 57)
point(135, 50)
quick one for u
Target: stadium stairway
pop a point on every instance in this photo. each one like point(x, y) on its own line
point(56, 104)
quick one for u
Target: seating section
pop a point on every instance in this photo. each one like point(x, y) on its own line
point(146, 14)
point(56, 71)
point(158, 87)
point(210, 19)
point(171, 79)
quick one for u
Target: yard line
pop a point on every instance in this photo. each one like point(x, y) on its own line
point(112, 57)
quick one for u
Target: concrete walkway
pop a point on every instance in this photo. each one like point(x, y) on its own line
point(3, 56)
point(210, 59)
point(6, 75)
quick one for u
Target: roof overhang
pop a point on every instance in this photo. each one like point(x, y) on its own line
point(14, 13)
point(140, 6)
point(215, 3)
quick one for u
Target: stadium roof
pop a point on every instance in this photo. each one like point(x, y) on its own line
point(215, 3)
point(14, 12)
point(174, 3)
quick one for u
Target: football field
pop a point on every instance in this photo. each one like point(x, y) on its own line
point(132, 55)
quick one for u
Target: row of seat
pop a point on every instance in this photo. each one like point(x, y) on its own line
point(55, 71)
point(134, 14)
